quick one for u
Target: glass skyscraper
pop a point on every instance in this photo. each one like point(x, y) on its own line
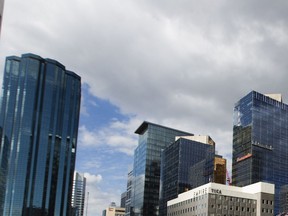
point(146, 171)
point(39, 118)
point(260, 142)
point(176, 162)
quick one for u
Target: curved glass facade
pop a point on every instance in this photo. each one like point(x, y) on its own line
point(39, 116)
point(260, 142)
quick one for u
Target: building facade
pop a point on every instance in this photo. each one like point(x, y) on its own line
point(176, 161)
point(260, 142)
point(123, 199)
point(220, 166)
point(114, 211)
point(146, 170)
point(129, 193)
point(215, 199)
point(39, 118)
point(78, 194)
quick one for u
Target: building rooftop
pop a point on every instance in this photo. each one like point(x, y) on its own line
point(143, 127)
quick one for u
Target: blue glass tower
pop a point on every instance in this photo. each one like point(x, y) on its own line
point(260, 142)
point(176, 162)
point(39, 118)
point(146, 171)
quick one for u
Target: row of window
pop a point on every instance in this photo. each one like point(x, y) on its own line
point(236, 208)
point(268, 202)
point(188, 201)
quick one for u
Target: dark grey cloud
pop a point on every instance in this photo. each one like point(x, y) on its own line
point(184, 60)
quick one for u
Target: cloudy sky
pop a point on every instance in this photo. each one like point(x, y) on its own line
point(182, 64)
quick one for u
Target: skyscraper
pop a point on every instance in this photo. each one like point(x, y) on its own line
point(146, 170)
point(260, 142)
point(129, 193)
point(176, 161)
point(78, 194)
point(39, 117)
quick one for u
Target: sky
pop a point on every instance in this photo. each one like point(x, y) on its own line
point(182, 64)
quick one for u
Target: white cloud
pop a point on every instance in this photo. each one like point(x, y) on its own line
point(92, 179)
point(98, 198)
point(119, 135)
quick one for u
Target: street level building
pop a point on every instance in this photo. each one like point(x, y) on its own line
point(260, 143)
point(215, 199)
point(196, 152)
point(146, 170)
point(39, 116)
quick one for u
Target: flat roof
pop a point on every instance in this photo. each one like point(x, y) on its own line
point(142, 128)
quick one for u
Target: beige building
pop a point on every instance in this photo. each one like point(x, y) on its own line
point(115, 211)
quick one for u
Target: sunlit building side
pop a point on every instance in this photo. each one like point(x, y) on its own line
point(78, 194)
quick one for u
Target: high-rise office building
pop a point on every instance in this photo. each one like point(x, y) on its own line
point(123, 199)
point(146, 170)
point(78, 194)
point(260, 142)
point(39, 117)
point(129, 193)
point(177, 159)
point(1, 12)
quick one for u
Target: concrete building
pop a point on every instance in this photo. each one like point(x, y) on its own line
point(114, 211)
point(78, 194)
point(215, 199)
point(260, 143)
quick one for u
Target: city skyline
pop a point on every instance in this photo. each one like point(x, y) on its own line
point(181, 64)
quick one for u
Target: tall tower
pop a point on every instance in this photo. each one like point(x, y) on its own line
point(39, 116)
point(78, 194)
point(260, 142)
point(146, 171)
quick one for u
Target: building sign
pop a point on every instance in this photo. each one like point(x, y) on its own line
point(244, 157)
point(217, 191)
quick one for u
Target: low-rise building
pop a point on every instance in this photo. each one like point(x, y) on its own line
point(214, 199)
